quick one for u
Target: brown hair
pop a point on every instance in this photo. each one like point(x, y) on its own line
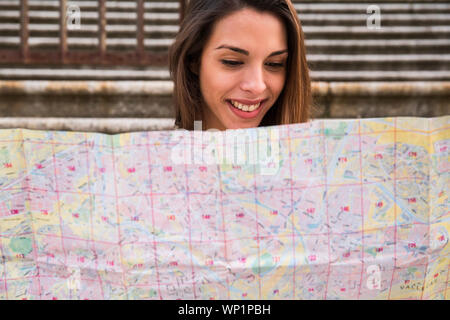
point(293, 104)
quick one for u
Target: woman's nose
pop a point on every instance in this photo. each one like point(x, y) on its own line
point(254, 80)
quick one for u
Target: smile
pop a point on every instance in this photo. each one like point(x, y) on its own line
point(245, 111)
point(244, 107)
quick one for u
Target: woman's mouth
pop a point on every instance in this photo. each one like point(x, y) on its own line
point(245, 111)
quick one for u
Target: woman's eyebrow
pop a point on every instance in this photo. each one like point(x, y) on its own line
point(239, 50)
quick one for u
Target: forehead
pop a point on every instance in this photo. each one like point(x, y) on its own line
point(251, 30)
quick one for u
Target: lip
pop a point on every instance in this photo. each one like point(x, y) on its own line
point(245, 114)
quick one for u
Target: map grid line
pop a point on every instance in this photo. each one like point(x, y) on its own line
point(292, 208)
point(324, 156)
point(153, 216)
point(189, 218)
point(257, 230)
point(362, 209)
point(90, 216)
point(33, 231)
point(429, 212)
point(118, 217)
point(223, 226)
point(3, 257)
point(395, 208)
point(59, 206)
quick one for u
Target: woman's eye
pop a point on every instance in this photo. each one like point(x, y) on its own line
point(236, 63)
point(275, 65)
point(231, 63)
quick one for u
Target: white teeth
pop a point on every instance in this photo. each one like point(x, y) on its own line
point(244, 107)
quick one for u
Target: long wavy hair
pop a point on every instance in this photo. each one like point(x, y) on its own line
point(293, 104)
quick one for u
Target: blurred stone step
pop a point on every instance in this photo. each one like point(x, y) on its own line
point(311, 32)
point(68, 87)
point(417, 47)
point(87, 43)
point(385, 75)
point(149, 73)
point(166, 6)
point(102, 125)
point(321, 19)
point(361, 1)
point(165, 88)
point(381, 46)
point(370, 58)
point(387, 19)
point(409, 60)
point(92, 99)
point(339, 32)
point(47, 16)
point(398, 7)
point(300, 6)
point(20, 73)
point(315, 46)
point(137, 99)
point(362, 32)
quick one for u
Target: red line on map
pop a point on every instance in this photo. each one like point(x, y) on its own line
point(257, 232)
point(446, 282)
point(324, 154)
point(292, 213)
point(59, 205)
point(429, 214)
point(33, 231)
point(362, 210)
point(90, 218)
point(3, 257)
point(153, 218)
point(223, 226)
point(118, 217)
point(395, 208)
point(189, 222)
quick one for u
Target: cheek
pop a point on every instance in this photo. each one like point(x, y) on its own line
point(277, 84)
point(216, 83)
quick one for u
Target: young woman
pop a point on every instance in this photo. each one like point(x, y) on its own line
point(239, 64)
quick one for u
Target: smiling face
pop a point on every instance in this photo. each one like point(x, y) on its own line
point(243, 61)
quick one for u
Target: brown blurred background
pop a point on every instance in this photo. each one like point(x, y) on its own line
point(97, 65)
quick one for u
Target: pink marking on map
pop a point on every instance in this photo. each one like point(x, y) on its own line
point(378, 156)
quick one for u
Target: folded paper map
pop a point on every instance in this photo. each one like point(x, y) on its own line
point(330, 209)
